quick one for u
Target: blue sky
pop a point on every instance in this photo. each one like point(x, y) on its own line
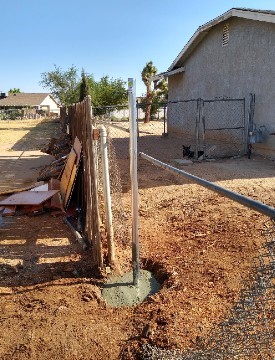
point(105, 37)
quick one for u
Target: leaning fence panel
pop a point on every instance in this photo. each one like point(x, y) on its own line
point(79, 125)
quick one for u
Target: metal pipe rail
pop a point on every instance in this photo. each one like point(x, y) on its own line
point(252, 204)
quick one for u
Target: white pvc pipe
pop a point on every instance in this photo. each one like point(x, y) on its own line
point(134, 180)
point(107, 194)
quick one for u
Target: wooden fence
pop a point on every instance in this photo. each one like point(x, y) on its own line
point(78, 119)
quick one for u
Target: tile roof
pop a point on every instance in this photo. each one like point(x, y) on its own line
point(23, 99)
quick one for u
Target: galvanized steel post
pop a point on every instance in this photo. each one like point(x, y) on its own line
point(133, 174)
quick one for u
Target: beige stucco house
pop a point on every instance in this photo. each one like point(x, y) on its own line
point(230, 57)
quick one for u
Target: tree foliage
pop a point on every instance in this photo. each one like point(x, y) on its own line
point(14, 91)
point(68, 88)
point(62, 84)
point(153, 99)
point(148, 71)
point(109, 91)
point(160, 96)
point(84, 89)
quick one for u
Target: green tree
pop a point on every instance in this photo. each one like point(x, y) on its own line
point(108, 92)
point(14, 91)
point(62, 84)
point(84, 86)
point(148, 71)
point(160, 96)
point(68, 88)
point(161, 88)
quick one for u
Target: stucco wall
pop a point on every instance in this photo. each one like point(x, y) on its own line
point(246, 65)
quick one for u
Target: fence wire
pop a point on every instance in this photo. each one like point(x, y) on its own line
point(215, 126)
point(182, 120)
point(117, 148)
point(224, 127)
point(249, 332)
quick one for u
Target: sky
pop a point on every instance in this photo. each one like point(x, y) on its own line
point(104, 37)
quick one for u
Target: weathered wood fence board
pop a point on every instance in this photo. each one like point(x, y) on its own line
point(78, 119)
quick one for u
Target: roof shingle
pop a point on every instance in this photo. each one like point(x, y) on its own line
point(23, 99)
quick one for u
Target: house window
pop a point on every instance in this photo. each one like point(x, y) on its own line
point(225, 35)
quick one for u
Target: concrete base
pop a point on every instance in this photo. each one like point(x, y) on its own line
point(119, 291)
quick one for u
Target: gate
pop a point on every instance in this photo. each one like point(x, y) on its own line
point(223, 127)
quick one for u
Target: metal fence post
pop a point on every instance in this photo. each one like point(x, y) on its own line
point(133, 174)
point(198, 118)
point(164, 121)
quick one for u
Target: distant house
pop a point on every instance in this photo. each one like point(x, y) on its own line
point(35, 101)
point(230, 57)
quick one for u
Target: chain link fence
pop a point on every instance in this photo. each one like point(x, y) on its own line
point(215, 127)
point(223, 122)
point(182, 117)
point(121, 224)
point(249, 331)
point(116, 121)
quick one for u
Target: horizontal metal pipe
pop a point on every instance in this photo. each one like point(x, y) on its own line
point(252, 204)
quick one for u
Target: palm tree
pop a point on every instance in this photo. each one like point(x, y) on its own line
point(148, 71)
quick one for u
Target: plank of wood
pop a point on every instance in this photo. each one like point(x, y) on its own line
point(9, 211)
point(78, 148)
point(54, 184)
point(70, 186)
point(70, 162)
point(13, 191)
point(44, 187)
point(28, 198)
point(65, 178)
point(56, 201)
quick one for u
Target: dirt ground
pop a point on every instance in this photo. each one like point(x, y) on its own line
point(200, 245)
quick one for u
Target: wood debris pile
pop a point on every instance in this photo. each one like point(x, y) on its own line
point(55, 194)
point(40, 198)
point(59, 148)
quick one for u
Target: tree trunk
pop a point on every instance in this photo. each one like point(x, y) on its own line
point(149, 97)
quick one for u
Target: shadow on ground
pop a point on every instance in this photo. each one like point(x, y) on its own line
point(35, 250)
point(37, 135)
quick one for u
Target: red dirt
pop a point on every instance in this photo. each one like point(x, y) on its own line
point(199, 244)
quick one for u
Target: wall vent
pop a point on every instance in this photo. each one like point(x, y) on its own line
point(225, 35)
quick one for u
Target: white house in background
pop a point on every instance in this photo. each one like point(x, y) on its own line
point(36, 101)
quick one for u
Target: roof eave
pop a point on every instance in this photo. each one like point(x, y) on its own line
point(166, 74)
point(203, 30)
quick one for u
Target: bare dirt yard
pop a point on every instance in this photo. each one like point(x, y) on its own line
point(199, 245)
